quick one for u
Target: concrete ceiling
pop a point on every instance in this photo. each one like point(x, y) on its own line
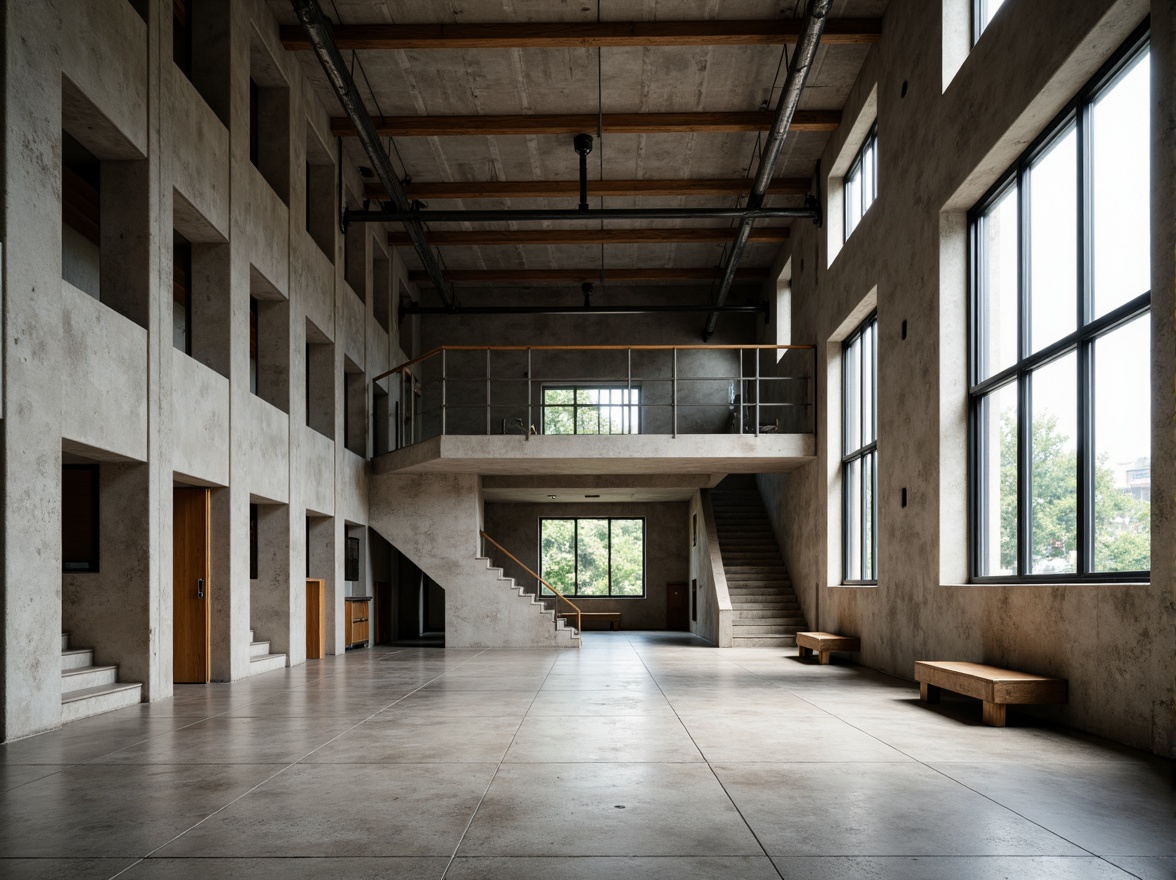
point(615, 79)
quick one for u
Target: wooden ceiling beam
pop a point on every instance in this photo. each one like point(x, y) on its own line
point(574, 123)
point(576, 276)
point(573, 35)
point(554, 189)
point(491, 237)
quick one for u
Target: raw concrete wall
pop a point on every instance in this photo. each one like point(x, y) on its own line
point(1115, 643)
point(706, 567)
point(434, 520)
point(516, 527)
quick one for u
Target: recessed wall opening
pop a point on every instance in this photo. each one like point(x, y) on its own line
point(181, 293)
point(269, 342)
point(354, 409)
point(382, 290)
point(269, 119)
point(320, 382)
point(381, 418)
point(355, 253)
point(81, 217)
point(320, 194)
point(200, 49)
point(202, 307)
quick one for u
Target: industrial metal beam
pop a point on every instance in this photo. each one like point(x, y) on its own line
point(786, 113)
point(574, 123)
point(594, 274)
point(567, 214)
point(490, 237)
point(585, 34)
point(413, 309)
point(550, 189)
point(318, 33)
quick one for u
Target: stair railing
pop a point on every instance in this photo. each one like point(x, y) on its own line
point(538, 578)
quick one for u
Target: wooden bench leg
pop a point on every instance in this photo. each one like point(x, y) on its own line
point(928, 693)
point(994, 714)
point(803, 652)
point(823, 657)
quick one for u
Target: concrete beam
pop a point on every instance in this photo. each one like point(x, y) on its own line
point(488, 237)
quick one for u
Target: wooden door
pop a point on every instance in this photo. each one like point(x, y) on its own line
point(191, 616)
point(315, 619)
point(677, 608)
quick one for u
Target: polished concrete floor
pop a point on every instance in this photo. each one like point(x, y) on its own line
point(642, 755)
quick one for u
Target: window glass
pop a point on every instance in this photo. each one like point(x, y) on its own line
point(1053, 497)
point(997, 428)
point(1053, 242)
point(860, 455)
point(578, 410)
point(593, 556)
point(861, 183)
point(1121, 190)
point(999, 251)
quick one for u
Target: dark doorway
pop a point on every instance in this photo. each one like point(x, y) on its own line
point(677, 608)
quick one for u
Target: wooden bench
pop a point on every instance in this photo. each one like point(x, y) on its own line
point(996, 687)
point(612, 618)
point(824, 644)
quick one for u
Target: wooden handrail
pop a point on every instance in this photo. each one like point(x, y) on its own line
point(537, 577)
point(695, 346)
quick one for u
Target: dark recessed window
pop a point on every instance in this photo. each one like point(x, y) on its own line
point(1060, 349)
point(351, 560)
point(79, 517)
point(253, 542)
point(181, 293)
point(861, 182)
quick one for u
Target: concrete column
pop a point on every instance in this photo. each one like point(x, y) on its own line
point(30, 637)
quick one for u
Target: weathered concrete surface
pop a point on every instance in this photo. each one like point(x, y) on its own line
point(1115, 643)
point(434, 520)
point(706, 567)
point(201, 420)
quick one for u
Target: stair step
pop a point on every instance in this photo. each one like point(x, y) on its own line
point(266, 663)
point(763, 641)
point(765, 613)
point(259, 649)
point(88, 677)
point(77, 658)
point(84, 702)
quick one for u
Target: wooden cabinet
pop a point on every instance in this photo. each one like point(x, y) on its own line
point(315, 629)
point(358, 620)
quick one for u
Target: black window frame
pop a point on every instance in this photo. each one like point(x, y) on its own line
point(576, 557)
point(1077, 115)
point(635, 407)
point(860, 453)
point(855, 167)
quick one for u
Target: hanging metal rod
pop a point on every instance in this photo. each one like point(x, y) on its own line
point(522, 215)
point(812, 26)
point(760, 308)
point(318, 30)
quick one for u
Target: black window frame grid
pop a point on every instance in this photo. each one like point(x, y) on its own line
point(575, 405)
point(1076, 114)
point(855, 167)
point(860, 454)
point(545, 593)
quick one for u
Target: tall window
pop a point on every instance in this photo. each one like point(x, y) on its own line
point(861, 183)
point(1060, 387)
point(983, 12)
point(578, 410)
point(859, 462)
point(598, 556)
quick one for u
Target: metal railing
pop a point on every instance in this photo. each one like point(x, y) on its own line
point(538, 580)
point(659, 389)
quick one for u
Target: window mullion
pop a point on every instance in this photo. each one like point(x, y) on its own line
point(1085, 358)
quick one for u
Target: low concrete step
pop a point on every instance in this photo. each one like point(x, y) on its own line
point(259, 649)
point(783, 641)
point(88, 677)
point(776, 612)
point(266, 663)
point(76, 659)
point(84, 702)
point(745, 628)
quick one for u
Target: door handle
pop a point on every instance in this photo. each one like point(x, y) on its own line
point(199, 588)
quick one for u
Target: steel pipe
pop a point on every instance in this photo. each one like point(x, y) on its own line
point(318, 29)
point(798, 70)
point(535, 214)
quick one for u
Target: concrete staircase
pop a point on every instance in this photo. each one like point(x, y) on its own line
point(765, 610)
point(564, 632)
point(260, 658)
point(87, 689)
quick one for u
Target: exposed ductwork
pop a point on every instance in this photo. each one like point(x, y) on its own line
point(812, 26)
point(318, 29)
